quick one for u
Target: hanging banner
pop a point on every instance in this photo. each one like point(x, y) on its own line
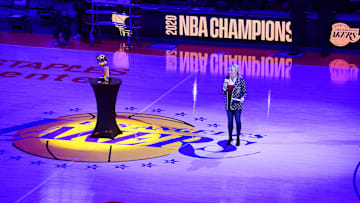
point(216, 27)
point(212, 27)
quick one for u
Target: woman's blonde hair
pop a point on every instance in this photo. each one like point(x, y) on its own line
point(235, 67)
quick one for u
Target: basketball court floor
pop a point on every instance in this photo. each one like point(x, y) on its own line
point(300, 124)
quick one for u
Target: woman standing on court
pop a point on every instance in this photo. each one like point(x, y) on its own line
point(234, 89)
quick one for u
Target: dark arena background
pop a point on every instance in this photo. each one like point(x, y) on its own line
point(152, 124)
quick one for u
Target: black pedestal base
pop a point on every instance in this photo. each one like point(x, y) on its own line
point(106, 126)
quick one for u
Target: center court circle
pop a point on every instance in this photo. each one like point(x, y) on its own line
point(68, 138)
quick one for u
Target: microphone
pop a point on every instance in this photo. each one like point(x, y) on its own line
point(227, 79)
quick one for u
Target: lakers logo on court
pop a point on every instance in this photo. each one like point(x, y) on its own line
point(144, 136)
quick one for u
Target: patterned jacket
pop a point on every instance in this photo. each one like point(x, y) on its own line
point(236, 95)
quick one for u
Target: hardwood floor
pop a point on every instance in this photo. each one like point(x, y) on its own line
point(300, 125)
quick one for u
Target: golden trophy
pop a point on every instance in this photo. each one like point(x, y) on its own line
point(102, 60)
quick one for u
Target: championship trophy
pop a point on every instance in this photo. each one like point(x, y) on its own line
point(102, 61)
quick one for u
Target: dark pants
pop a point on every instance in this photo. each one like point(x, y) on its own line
point(326, 19)
point(65, 34)
point(230, 115)
point(298, 24)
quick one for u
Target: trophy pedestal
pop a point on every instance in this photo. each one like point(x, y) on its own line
point(106, 94)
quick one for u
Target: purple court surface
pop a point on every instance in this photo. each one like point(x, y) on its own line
point(300, 125)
